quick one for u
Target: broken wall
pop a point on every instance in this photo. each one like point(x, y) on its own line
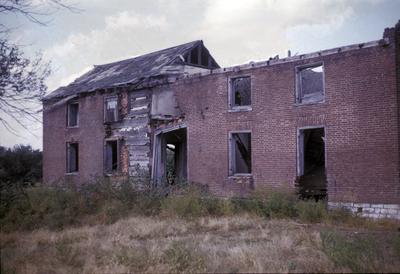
point(359, 113)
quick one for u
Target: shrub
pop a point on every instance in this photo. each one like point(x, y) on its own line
point(310, 211)
point(187, 204)
point(217, 206)
point(274, 203)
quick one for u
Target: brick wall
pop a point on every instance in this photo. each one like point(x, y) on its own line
point(360, 116)
point(90, 136)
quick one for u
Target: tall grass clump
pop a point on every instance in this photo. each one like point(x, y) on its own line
point(274, 203)
point(359, 253)
point(61, 205)
point(310, 211)
point(193, 201)
point(185, 203)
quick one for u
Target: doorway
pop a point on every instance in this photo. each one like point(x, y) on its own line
point(170, 157)
point(311, 181)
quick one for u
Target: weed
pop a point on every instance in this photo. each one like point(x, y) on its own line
point(68, 254)
point(396, 245)
point(358, 253)
point(186, 205)
point(180, 258)
point(275, 203)
point(310, 211)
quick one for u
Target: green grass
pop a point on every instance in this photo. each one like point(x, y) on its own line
point(360, 252)
point(103, 202)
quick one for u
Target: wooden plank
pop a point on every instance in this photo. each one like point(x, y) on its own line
point(136, 94)
point(140, 149)
point(145, 102)
point(133, 140)
point(139, 157)
point(140, 110)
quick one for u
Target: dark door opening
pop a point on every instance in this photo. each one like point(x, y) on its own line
point(170, 165)
point(311, 163)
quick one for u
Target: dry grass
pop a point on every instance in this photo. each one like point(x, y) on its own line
point(238, 243)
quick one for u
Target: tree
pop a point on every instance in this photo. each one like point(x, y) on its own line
point(20, 164)
point(22, 85)
point(22, 79)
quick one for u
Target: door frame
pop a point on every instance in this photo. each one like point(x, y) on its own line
point(300, 148)
point(157, 153)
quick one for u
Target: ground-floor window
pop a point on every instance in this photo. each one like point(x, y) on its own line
point(240, 153)
point(72, 157)
point(111, 156)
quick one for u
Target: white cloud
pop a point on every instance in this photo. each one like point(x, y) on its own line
point(234, 31)
point(258, 28)
point(122, 36)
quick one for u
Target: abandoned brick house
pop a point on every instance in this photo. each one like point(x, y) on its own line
point(324, 123)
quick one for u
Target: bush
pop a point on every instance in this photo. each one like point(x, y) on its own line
point(274, 203)
point(65, 205)
point(310, 211)
point(187, 204)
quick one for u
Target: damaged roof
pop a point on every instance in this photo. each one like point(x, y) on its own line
point(130, 71)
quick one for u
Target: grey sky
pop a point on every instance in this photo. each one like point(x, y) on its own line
point(234, 31)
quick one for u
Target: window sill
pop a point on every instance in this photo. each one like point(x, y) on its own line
point(71, 173)
point(308, 103)
point(110, 174)
point(240, 109)
point(240, 176)
point(111, 122)
point(72, 126)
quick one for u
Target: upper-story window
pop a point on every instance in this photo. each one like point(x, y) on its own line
point(72, 114)
point(240, 93)
point(310, 84)
point(111, 109)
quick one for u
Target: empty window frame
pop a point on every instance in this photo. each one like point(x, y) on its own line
point(239, 92)
point(240, 153)
point(310, 84)
point(111, 156)
point(111, 109)
point(72, 114)
point(72, 157)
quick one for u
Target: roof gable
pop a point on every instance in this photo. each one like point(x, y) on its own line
point(133, 70)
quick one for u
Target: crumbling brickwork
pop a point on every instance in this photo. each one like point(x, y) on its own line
point(357, 106)
point(359, 114)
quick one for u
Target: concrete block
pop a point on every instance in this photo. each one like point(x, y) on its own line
point(369, 210)
point(362, 205)
point(393, 211)
point(377, 205)
point(383, 210)
point(393, 206)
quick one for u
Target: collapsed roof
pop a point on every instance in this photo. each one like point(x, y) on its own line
point(137, 70)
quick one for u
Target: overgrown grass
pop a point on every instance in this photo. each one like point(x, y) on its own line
point(108, 228)
point(360, 252)
point(104, 202)
point(232, 244)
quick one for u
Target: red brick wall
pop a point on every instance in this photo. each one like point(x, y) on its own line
point(90, 136)
point(360, 114)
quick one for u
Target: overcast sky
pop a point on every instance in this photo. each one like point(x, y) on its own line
point(235, 32)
